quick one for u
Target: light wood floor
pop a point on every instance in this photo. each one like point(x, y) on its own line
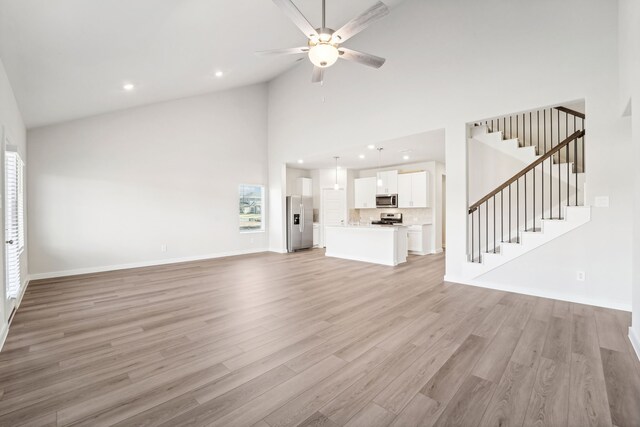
point(281, 340)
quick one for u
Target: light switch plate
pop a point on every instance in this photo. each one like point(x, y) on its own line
point(601, 202)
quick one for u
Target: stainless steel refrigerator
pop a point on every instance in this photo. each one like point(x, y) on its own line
point(299, 223)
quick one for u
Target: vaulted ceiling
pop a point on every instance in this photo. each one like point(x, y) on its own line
point(68, 59)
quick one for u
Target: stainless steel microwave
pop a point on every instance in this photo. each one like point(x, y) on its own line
point(387, 201)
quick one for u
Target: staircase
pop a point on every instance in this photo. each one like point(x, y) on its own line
point(542, 200)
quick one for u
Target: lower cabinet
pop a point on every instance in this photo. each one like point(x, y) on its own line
point(419, 239)
point(316, 235)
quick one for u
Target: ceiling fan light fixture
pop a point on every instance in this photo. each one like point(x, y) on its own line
point(323, 55)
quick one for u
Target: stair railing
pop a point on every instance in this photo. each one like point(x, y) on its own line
point(542, 129)
point(506, 204)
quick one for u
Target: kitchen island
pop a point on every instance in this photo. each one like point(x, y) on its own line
point(378, 244)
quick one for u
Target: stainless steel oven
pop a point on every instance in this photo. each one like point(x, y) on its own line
point(387, 201)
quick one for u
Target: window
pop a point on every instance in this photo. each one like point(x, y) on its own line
point(251, 204)
point(14, 220)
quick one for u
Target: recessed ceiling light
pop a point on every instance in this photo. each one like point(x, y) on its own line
point(405, 157)
point(128, 87)
point(219, 74)
point(300, 161)
point(361, 156)
point(371, 147)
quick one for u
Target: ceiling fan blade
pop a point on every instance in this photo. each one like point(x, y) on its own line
point(297, 17)
point(278, 52)
point(318, 75)
point(360, 57)
point(360, 22)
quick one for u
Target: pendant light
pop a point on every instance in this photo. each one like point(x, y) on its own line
point(336, 186)
point(378, 173)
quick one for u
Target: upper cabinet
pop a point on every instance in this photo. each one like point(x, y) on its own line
point(388, 181)
point(304, 187)
point(413, 190)
point(365, 193)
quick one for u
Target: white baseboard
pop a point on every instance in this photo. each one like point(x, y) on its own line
point(635, 341)
point(542, 294)
point(279, 250)
point(102, 269)
point(3, 334)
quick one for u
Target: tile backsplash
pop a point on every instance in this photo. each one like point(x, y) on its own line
point(409, 216)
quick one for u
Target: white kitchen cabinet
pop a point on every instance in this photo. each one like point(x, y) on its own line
point(388, 181)
point(419, 239)
point(405, 195)
point(413, 190)
point(316, 234)
point(364, 194)
point(304, 187)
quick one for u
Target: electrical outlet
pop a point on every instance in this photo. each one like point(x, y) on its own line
point(580, 276)
point(163, 247)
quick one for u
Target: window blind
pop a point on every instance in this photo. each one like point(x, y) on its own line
point(14, 220)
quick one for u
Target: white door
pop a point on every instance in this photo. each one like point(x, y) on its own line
point(334, 209)
point(14, 222)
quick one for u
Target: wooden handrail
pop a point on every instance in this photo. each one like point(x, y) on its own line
point(570, 111)
point(577, 134)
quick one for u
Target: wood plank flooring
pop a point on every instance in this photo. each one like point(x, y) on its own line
point(275, 340)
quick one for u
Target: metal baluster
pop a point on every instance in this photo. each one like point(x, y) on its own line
point(510, 128)
point(472, 237)
point(530, 130)
point(583, 147)
point(550, 188)
point(538, 130)
point(544, 113)
point(518, 130)
point(559, 173)
point(486, 227)
point(479, 235)
point(575, 158)
point(494, 223)
point(525, 202)
point(518, 210)
point(509, 213)
point(568, 179)
point(502, 216)
point(534, 199)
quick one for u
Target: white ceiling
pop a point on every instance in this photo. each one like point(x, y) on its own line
point(427, 146)
point(70, 58)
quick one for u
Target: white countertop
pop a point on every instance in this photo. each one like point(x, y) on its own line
point(368, 226)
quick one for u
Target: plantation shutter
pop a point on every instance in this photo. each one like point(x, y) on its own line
point(14, 220)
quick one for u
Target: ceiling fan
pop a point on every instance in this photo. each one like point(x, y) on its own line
point(325, 45)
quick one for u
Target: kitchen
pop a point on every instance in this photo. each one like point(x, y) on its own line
point(381, 203)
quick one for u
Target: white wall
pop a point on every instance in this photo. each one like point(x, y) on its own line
point(14, 130)
point(630, 90)
point(449, 63)
point(111, 189)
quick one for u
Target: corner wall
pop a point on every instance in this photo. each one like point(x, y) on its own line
point(630, 92)
point(108, 191)
point(449, 63)
point(12, 126)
